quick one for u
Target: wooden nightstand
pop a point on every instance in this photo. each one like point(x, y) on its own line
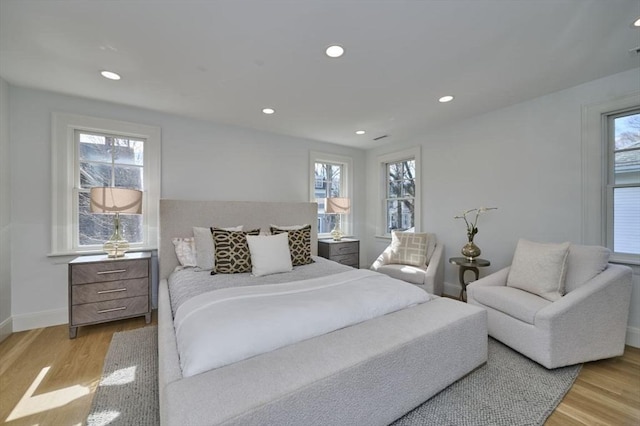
point(345, 251)
point(105, 289)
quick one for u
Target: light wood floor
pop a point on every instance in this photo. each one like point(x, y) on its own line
point(47, 379)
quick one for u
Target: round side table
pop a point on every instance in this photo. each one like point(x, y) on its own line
point(467, 265)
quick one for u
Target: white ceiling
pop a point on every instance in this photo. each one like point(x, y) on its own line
point(224, 61)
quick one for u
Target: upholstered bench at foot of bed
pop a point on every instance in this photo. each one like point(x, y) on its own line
point(371, 373)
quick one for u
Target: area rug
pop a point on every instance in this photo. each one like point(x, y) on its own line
point(509, 390)
point(128, 390)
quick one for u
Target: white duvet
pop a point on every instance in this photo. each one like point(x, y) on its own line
point(225, 326)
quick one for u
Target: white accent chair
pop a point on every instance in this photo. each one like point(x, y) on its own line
point(430, 277)
point(587, 323)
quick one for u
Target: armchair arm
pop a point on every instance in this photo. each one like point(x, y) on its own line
point(498, 278)
point(383, 259)
point(434, 275)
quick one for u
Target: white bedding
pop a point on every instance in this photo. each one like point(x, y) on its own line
point(228, 325)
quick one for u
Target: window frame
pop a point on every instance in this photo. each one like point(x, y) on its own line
point(383, 161)
point(64, 186)
point(610, 185)
point(346, 185)
point(594, 171)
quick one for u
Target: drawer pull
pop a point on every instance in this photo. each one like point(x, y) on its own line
point(115, 271)
point(116, 290)
point(104, 311)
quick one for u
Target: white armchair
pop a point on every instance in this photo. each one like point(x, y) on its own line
point(429, 277)
point(587, 323)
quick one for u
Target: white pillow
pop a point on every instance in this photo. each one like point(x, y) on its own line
point(185, 251)
point(539, 268)
point(409, 248)
point(204, 246)
point(269, 254)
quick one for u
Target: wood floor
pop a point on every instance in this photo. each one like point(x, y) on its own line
point(47, 379)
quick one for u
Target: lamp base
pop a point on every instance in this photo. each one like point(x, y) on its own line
point(116, 248)
point(337, 234)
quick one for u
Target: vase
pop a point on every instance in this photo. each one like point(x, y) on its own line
point(470, 250)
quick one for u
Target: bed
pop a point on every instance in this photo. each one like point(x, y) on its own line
point(371, 372)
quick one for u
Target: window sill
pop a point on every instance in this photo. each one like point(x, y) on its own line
point(625, 259)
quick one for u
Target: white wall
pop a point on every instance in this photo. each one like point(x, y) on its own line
point(524, 159)
point(5, 214)
point(200, 160)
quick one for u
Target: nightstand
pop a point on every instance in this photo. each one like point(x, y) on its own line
point(345, 251)
point(103, 289)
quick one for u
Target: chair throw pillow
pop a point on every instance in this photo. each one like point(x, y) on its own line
point(539, 268)
point(299, 244)
point(408, 248)
point(232, 251)
point(269, 254)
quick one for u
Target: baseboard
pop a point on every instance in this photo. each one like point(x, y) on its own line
point(40, 319)
point(6, 328)
point(633, 337)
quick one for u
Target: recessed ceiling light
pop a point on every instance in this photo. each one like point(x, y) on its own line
point(334, 51)
point(636, 23)
point(445, 99)
point(268, 111)
point(110, 75)
point(360, 132)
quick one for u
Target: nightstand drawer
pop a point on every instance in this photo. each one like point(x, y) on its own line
point(108, 271)
point(88, 293)
point(108, 310)
point(342, 248)
point(347, 259)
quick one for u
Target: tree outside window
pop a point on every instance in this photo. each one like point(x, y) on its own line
point(328, 184)
point(401, 192)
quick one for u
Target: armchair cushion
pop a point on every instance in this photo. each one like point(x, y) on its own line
point(408, 273)
point(584, 263)
point(539, 269)
point(409, 248)
point(516, 303)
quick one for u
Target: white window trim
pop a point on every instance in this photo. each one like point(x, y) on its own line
point(594, 171)
point(63, 157)
point(407, 154)
point(347, 184)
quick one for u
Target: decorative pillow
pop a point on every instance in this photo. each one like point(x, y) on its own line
point(299, 244)
point(185, 251)
point(539, 268)
point(584, 263)
point(409, 248)
point(205, 247)
point(270, 254)
point(232, 254)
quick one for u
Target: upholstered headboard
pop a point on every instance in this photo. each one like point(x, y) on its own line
point(178, 217)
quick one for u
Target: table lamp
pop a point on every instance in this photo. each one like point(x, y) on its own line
point(112, 200)
point(339, 206)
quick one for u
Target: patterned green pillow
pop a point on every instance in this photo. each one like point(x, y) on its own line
point(299, 244)
point(232, 251)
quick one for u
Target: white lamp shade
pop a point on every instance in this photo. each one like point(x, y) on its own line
point(337, 205)
point(116, 200)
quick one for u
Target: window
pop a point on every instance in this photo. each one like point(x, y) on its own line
point(90, 152)
point(400, 191)
point(623, 182)
point(106, 160)
point(330, 178)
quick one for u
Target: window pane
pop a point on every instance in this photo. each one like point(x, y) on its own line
point(93, 148)
point(626, 218)
point(408, 188)
point(627, 131)
point(128, 177)
point(95, 229)
point(127, 151)
point(328, 184)
point(627, 167)
point(94, 174)
point(400, 215)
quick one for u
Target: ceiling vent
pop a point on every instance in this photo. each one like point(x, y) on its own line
point(380, 137)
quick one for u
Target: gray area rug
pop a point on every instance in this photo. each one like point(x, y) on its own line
point(509, 390)
point(128, 390)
